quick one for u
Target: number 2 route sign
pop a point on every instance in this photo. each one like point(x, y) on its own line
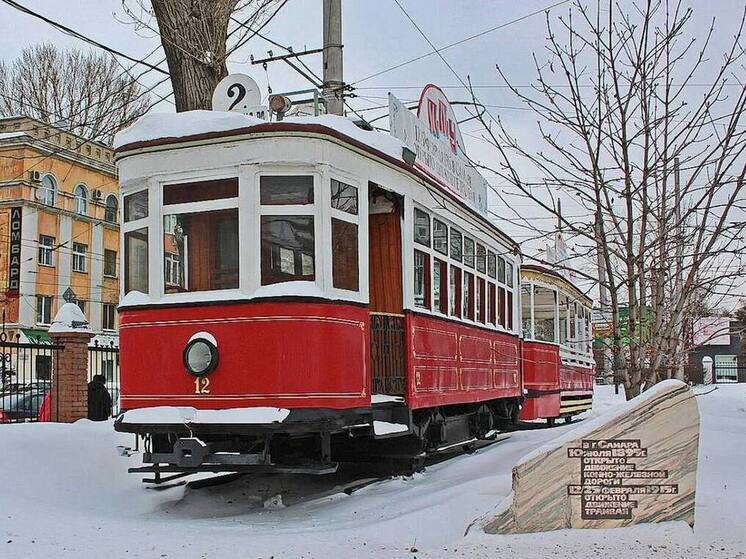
point(238, 93)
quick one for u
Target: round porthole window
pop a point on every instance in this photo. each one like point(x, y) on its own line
point(201, 355)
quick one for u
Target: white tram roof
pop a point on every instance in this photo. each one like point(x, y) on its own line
point(158, 129)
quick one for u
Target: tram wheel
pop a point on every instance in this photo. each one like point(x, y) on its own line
point(551, 421)
point(568, 419)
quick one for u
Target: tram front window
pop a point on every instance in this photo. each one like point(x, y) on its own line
point(288, 252)
point(200, 251)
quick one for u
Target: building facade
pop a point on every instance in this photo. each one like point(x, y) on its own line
point(59, 233)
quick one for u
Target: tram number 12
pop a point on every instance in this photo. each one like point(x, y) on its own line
point(202, 385)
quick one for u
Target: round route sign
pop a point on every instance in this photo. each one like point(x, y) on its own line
point(238, 93)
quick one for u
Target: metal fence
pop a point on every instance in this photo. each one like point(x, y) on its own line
point(26, 370)
point(103, 360)
point(725, 374)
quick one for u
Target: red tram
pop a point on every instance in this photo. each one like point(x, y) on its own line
point(299, 292)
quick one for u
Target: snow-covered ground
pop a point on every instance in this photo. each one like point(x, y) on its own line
point(65, 493)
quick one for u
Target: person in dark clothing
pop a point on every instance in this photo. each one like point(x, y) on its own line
point(99, 399)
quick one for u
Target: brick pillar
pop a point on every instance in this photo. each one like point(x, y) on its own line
point(70, 368)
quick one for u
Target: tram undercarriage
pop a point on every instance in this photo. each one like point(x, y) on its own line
point(315, 442)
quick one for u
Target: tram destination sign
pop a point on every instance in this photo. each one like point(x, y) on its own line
point(433, 134)
point(605, 466)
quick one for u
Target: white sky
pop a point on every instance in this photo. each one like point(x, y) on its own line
point(376, 35)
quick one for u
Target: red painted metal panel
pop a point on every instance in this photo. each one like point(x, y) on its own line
point(541, 366)
point(538, 407)
point(450, 363)
point(576, 377)
point(284, 354)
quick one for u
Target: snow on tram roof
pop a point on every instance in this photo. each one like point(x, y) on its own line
point(160, 126)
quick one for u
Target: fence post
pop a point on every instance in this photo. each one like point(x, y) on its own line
point(71, 330)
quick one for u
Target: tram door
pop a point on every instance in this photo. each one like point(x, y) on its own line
point(386, 299)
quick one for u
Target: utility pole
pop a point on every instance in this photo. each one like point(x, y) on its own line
point(333, 86)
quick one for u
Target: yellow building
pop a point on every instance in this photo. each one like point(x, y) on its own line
point(62, 192)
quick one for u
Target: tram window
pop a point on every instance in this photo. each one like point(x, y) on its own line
point(509, 274)
point(440, 237)
point(421, 279)
point(573, 324)
point(288, 252)
point(283, 190)
point(500, 269)
point(185, 193)
point(136, 260)
point(491, 265)
point(454, 292)
point(545, 301)
point(468, 296)
point(491, 303)
point(481, 259)
point(481, 296)
point(563, 306)
point(136, 206)
point(440, 286)
point(455, 245)
point(509, 308)
point(421, 227)
point(344, 197)
point(501, 306)
point(468, 252)
point(526, 311)
point(344, 255)
point(200, 251)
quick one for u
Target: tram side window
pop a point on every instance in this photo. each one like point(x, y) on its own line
point(421, 227)
point(440, 237)
point(468, 252)
point(468, 295)
point(480, 300)
point(200, 251)
point(455, 245)
point(563, 306)
point(509, 308)
point(509, 274)
point(573, 337)
point(136, 260)
point(501, 269)
point(136, 206)
point(491, 303)
point(545, 301)
point(421, 279)
point(440, 286)
point(526, 311)
point(202, 191)
point(283, 190)
point(288, 251)
point(344, 197)
point(454, 292)
point(491, 265)
point(344, 255)
point(501, 307)
point(481, 259)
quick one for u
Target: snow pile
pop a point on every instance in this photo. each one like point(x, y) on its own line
point(70, 319)
point(385, 398)
point(386, 428)
point(158, 126)
point(164, 415)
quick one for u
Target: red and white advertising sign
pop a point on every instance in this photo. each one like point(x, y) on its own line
point(433, 134)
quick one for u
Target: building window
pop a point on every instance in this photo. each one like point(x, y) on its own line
point(47, 190)
point(202, 253)
point(79, 252)
point(421, 227)
point(421, 279)
point(345, 271)
point(440, 286)
point(136, 260)
point(286, 190)
point(468, 252)
point(440, 237)
point(46, 249)
point(135, 206)
point(108, 316)
point(43, 366)
point(81, 200)
point(112, 206)
point(288, 251)
point(43, 309)
point(110, 263)
point(344, 197)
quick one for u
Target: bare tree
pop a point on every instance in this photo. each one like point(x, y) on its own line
point(196, 39)
point(86, 90)
point(645, 135)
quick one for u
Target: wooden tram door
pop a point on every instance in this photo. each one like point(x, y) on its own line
point(386, 300)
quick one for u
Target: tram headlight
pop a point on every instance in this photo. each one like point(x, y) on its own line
point(200, 356)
